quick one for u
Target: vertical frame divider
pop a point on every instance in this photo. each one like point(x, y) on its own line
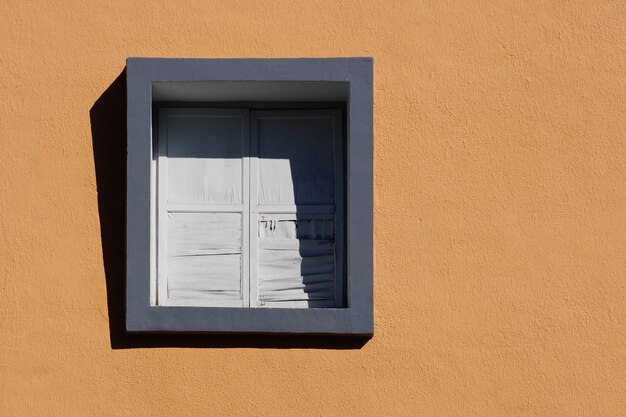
point(162, 211)
point(340, 275)
point(245, 216)
point(154, 135)
point(254, 214)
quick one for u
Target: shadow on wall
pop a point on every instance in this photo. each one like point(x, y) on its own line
point(108, 130)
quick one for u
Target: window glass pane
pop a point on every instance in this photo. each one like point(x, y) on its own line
point(297, 260)
point(204, 159)
point(204, 258)
point(295, 160)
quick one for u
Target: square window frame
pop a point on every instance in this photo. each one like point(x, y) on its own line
point(357, 318)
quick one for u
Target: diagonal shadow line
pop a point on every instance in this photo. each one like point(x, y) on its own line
point(108, 131)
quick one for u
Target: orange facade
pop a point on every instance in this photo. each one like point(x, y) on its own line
point(500, 212)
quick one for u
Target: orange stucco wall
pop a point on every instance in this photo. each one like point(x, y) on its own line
point(500, 212)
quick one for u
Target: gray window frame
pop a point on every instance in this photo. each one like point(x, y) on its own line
point(357, 317)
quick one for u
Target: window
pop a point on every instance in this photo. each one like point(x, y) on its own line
point(249, 199)
point(249, 208)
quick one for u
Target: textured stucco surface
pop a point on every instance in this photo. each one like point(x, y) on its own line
point(500, 207)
